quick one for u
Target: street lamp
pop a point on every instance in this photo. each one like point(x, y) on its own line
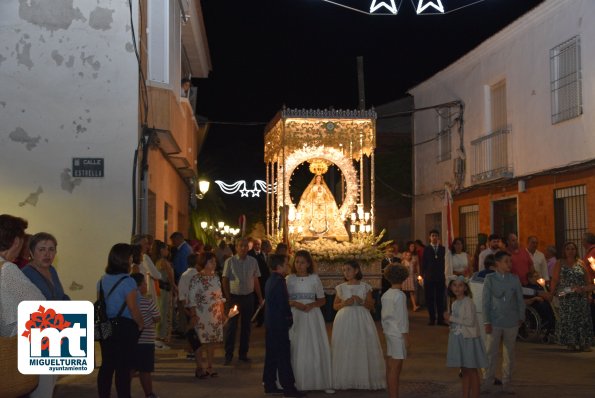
point(203, 187)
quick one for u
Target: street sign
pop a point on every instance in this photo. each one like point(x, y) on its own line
point(88, 167)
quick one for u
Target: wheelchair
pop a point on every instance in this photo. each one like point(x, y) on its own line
point(538, 328)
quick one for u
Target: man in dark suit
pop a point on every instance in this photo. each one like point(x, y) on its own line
point(432, 270)
point(264, 273)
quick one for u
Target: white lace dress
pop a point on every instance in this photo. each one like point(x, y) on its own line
point(358, 361)
point(310, 350)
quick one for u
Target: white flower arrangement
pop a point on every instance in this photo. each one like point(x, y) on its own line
point(363, 248)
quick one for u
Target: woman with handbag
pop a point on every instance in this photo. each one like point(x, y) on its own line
point(14, 288)
point(117, 351)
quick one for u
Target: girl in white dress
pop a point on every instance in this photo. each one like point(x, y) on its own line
point(358, 362)
point(310, 350)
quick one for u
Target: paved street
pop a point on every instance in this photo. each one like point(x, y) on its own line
point(542, 371)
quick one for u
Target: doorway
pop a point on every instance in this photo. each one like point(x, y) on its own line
point(504, 220)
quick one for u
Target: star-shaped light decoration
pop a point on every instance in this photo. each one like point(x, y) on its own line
point(244, 193)
point(422, 5)
point(255, 193)
point(392, 7)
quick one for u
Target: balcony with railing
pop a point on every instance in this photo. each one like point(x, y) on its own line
point(492, 157)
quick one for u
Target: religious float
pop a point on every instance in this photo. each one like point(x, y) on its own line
point(335, 223)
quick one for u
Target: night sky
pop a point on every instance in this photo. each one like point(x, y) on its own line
point(302, 54)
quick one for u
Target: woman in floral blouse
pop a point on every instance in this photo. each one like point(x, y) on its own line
point(206, 302)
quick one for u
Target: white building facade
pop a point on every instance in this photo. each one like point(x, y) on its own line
point(69, 89)
point(515, 138)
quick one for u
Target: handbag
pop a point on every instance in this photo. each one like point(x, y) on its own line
point(103, 325)
point(164, 285)
point(14, 384)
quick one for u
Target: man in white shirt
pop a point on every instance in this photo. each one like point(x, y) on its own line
point(240, 283)
point(493, 246)
point(539, 261)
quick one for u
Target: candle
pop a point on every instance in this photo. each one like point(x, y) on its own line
point(233, 311)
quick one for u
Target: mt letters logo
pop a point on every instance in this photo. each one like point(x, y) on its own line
point(56, 337)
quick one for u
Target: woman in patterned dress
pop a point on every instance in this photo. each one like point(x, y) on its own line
point(409, 284)
point(569, 281)
point(206, 302)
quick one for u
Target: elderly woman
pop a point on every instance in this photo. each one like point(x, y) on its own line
point(16, 287)
point(570, 281)
point(40, 269)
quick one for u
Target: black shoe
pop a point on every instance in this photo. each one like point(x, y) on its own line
point(273, 391)
point(245, 359)
point(294, 393)
point(227, 362)
point(431, 323)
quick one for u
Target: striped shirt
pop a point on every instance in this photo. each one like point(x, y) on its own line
point(149, 311)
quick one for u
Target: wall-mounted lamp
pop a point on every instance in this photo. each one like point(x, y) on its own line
point(203, 187)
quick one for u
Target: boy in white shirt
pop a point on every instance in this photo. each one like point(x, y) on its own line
point(395, 324)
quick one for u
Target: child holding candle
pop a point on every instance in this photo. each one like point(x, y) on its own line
point(357, 360)
point(465, 346)
point(278, 319)
point(395, 324)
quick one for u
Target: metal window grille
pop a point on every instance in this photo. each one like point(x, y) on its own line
point(444, 135)
point(565, 80)
point(570, 216)
point(498, 106)
point(469, 226)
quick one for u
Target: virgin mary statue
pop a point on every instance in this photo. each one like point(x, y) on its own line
point(319, 214)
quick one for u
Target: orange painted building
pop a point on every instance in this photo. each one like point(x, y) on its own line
point(553, 207)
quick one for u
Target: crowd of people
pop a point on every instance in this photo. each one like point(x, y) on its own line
point(153, 290)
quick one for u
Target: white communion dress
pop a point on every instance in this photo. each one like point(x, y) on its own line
point(358, 361)
point(310, 350)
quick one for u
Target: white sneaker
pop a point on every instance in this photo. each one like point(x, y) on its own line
point(329, 391)
point(161, 345)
